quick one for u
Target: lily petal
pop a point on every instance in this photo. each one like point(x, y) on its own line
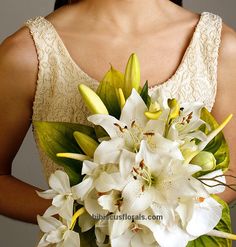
point(112, 149)
point(134, 109)
point(108, 122)
point(59, 181)
point(206, 216)
point(48, 224)
point(72, 239)
point(83, 188)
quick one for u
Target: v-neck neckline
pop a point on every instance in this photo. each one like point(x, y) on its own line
point(179, 68)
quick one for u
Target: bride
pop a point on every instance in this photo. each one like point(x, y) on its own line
point(189, 56)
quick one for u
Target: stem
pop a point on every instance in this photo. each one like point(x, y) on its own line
point(220, 234)
point(219, 184)
point(76, 216)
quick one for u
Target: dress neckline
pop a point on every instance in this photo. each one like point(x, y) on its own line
point(179, 68)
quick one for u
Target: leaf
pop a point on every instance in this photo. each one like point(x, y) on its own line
point(144, 94)
point(218, 146)
point(224, 225)
point(56, 137)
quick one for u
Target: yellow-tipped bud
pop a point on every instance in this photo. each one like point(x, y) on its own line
point(215, 132)
point(121, 98)
point(92, 100)
point(211, 136)
point(132, 75)
point(220, 234)
point(86, 143)
point(74, 156)
point(206, 160)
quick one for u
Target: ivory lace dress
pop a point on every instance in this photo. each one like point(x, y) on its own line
point(57, 97)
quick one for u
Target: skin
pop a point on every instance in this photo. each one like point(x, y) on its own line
point(96, 33)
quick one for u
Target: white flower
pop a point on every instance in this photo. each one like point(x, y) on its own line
point(101, 177)
point(186, 126)
point(55, 232)
point(158, 177)
point(62, 194)
point(199, 216)
point(128, 233)
point(168, 234)
point(128, 132)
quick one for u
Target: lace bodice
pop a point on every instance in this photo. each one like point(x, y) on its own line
point(57, 97)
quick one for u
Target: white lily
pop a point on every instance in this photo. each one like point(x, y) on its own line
point(185, 127)
point(168, 231)
point(56, 232)
point(158, 177)
point(199, 216)
point(101, 177)
point(128, 132)
point(62, 194)
point(128, 233)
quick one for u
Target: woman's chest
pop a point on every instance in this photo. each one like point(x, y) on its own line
point(159, 57)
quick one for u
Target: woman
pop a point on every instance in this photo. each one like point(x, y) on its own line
point(177, 49)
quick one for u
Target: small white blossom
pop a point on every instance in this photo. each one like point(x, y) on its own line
point(62, 194)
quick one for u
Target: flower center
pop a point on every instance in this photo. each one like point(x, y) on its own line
point(143, 172)
point(135, 227)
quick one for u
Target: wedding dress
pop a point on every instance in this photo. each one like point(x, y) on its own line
point(57, 97)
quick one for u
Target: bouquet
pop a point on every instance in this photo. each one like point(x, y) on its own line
point(147, 173)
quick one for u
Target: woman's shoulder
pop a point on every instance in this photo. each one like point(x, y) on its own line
point(228, 43)
point(19, 49)
point(227, 62)
point(18, 61)
point(227, 54)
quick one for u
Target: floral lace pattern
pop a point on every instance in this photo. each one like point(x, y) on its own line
point(57, 97)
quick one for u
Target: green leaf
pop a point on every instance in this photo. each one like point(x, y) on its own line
point(224, 225)
point(100, 132)
point(144, 94)
point(57, 137)
point(112, 80)
point(218, 146)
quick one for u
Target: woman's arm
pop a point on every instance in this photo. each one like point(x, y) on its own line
point(18, 75)
point(226, 100)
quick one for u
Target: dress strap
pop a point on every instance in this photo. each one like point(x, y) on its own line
point(50, 58)
point(209, 39)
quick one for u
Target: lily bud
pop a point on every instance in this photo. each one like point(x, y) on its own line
point(132, 75)
point(92, 100)
point(206, 160)
point(121, 98)
point(74, 156)
point(86, 143)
